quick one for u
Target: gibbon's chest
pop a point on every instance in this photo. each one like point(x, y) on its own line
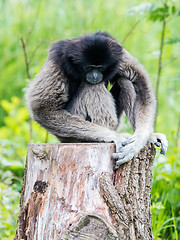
point(94, 103)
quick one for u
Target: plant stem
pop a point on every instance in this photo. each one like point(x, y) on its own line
point(33, 25)
point(178, 132)
point(159, 68)
point(28, 76)
point(25, 57)
point(130, 31)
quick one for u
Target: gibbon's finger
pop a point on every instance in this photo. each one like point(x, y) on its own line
point(163, 151)
point(157, 144)
point(159, 140)
point(121, 161)
point(164, 143)
point(123, 157)
point(118, 155)
point(128, 141)
point(128, 149)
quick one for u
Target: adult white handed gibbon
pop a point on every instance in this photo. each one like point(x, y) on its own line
point(69, 96)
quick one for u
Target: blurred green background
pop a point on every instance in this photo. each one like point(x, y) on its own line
point(149, 30)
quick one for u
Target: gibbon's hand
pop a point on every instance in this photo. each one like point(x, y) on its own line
point(159, 140)
point(126, 150)
point(120, 140)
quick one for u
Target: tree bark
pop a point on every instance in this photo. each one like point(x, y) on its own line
point(70, 191)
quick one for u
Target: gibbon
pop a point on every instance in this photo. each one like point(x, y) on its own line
point(69, 96)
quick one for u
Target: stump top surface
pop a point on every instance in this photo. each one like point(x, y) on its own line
point(73, 144)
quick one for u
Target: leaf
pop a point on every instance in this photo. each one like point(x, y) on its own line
point(172, 40)
point(159, 13)
point(109, 86)
point(15, 100)
point(6, 105)
point(173, 9)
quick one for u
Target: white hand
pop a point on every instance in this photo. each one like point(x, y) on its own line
point(130, 147)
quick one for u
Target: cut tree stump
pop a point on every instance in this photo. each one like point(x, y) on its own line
point(70, 191)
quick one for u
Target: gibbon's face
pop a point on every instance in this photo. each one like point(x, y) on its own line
point(94, 73)
point(96, 57)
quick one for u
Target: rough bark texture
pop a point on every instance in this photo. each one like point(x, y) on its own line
point(70, 191)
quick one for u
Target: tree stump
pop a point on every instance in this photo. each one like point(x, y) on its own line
point(70, 191)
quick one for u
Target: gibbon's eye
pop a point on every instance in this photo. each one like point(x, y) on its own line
point(89, 68)
point(101, 68)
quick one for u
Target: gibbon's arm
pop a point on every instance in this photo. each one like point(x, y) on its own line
point(140, 105)
point(137, 99)
point(47, 97)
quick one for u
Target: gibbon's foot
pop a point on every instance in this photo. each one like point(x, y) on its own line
point(159, 140)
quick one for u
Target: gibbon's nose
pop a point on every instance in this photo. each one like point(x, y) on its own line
point(95, 74)
point(94, 77)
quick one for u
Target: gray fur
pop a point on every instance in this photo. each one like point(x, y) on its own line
point(92, 113)
point(47, 95)
point(96, 104)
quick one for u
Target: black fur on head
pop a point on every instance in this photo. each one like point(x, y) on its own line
point(92, 49)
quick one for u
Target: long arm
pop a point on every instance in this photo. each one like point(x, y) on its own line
point(137, 99)
point(47, 97)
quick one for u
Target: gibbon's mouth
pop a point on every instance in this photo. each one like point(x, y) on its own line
point(94, 77)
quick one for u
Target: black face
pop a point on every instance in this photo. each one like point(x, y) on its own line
point(99, 57)
point(92, 58)
point(94, 73)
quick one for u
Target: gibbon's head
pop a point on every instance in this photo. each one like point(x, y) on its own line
point(92, 58)
point(95, 57)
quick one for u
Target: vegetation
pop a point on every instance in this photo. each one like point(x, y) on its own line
point(150, 31)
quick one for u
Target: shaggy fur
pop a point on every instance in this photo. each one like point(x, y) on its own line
point(62, 101)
